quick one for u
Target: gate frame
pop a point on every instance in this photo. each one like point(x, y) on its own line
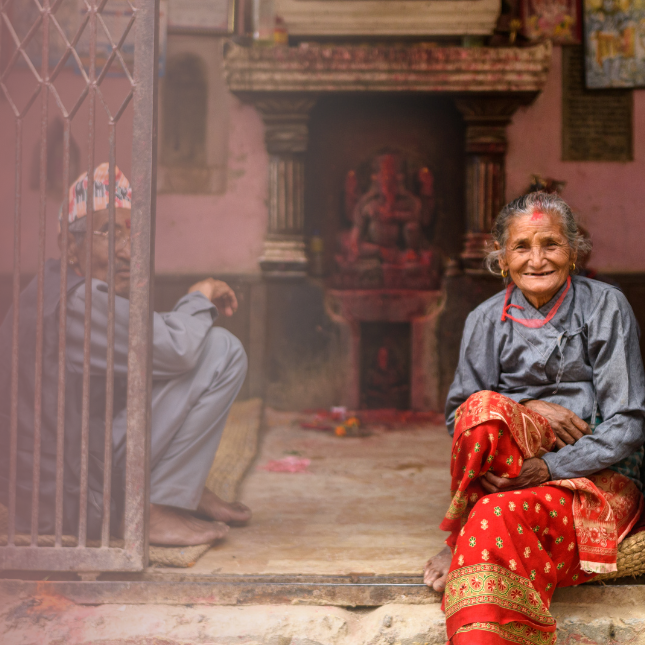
point(134, 554)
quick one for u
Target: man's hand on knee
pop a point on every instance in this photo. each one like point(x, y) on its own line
point(534, 472)
point(219, 293)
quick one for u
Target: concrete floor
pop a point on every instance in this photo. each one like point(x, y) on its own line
point(368, 505)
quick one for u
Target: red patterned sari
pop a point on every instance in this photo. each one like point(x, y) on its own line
point(511, 550)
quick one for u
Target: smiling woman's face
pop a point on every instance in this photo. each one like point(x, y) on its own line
point(537, 256)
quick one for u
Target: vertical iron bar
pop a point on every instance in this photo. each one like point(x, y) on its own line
point(289, 194)
point(40, 322)
point(274, 183)
point(282, 207)
point(89, 239)
point(62, 341)
point(240, 27)
point(2, 8)
point(13, 447)
point(481, 193)
point(109, 382)
point(144, 189)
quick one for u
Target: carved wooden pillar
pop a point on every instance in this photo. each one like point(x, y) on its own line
point(286, 137)
point(486, 120)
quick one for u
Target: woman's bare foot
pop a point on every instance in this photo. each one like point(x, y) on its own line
point(436, 570)
point(216, 508)
point(176, 527)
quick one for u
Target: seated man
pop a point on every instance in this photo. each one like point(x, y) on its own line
point(197, 371)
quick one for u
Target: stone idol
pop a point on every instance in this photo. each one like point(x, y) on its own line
point(388, 245)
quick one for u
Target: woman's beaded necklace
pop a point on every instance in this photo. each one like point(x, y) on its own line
point(533, 323)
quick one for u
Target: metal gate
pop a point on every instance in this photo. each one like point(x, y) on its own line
point(101, 40)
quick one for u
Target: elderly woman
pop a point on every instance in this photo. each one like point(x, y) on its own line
point(547, 410)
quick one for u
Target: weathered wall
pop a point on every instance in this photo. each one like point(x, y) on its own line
point(211, 233)
point(608, 197)
point(69, 86)
point(222, 233)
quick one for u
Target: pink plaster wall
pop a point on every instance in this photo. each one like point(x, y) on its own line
point(195, 233)
point(220, 233)
point(608, 197)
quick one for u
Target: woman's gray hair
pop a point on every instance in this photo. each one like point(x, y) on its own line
point(528, 204)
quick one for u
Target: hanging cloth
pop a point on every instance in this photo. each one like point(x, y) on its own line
point(533, 323)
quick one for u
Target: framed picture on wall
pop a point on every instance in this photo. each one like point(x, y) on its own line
point(215, 17)
point(614, 43)
point(557, 20)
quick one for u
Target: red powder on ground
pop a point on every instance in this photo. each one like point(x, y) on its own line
point(384, 417)
point(287, 465)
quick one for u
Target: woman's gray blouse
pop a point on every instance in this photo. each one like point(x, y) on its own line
point(587, 359)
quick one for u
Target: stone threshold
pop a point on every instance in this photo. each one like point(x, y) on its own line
point(340, 591)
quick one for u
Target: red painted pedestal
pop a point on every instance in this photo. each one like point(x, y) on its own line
point(349, 308)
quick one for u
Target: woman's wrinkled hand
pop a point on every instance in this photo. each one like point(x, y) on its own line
point(534, 472)
point(219, 293)
point(568, 427)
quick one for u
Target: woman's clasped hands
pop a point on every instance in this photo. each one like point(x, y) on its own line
point(568, 428)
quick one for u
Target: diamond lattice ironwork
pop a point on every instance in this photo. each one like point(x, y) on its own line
point(79, 50)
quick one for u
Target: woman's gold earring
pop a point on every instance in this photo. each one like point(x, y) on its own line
point(573, 267)
point(504, 273)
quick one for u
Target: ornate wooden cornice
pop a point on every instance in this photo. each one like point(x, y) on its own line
point(316, 69)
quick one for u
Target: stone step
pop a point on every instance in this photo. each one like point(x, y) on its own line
point(32, 613)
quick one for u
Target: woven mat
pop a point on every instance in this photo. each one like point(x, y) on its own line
point(234, 456)
point(237, 449)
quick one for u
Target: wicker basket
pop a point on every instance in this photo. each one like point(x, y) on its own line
point(630, 560)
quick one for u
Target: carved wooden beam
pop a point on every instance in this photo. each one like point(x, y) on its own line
point(387, 68)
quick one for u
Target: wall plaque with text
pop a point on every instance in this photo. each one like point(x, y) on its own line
point(597, 125)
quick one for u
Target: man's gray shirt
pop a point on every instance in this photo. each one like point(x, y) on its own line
point(177, 342)
point(177, 339)
point(587, 359)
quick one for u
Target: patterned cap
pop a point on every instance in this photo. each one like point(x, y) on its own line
point(78, 192)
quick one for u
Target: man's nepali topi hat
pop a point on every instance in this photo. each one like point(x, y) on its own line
point(77, 196)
